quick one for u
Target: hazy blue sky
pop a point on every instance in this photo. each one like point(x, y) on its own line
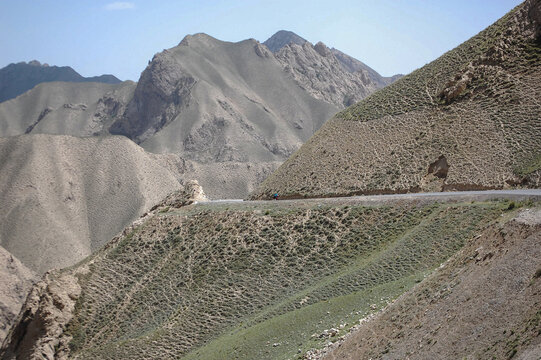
point(96, 37)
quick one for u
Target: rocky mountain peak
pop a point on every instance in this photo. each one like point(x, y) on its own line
point(37, 63)
point(322, 49)
point(198, 37)
point(283, 38)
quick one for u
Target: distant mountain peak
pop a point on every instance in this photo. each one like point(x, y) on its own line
point(37, 63)
point(18, 78)
point(198, 37)
point(283, 38)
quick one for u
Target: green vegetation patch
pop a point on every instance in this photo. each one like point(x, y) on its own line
point(530, 166)
point(209, 280)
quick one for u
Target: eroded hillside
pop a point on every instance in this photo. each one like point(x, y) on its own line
point(484, 304)
point(229, 108)
point(236, 111)
point(65, 108)
point(469, 120)
point(244, 280)
point(63, 197)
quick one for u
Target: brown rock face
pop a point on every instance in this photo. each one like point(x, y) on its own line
point(534, 13)
point(42, 321)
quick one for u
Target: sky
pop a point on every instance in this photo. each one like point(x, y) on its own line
point(119, 37)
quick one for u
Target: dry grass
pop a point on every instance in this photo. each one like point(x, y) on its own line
point(230, 281)
point(484, 304)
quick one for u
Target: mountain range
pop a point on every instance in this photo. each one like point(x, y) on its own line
point(18, 78)
point(455, 276)
point(232, 111)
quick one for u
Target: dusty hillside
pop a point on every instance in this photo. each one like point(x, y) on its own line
point(236, 110)
point(215, 102)
point(63, 197)
point(483, 304)
point(65, 108)
point(16, 280)
point(235, 280)
point(16, 79)
point(233, 111)
point(470, 119)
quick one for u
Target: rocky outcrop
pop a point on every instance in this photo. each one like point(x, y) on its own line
point(161, 93)
point(15, 282)
point(39, 330)
point(191, 193)
point(194, 192)
point(318, 71)
point(349, 64)
point(283, 38)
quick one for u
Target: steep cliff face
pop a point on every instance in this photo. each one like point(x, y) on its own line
point(162, 92)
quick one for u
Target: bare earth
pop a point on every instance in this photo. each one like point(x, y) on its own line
point(63, 197)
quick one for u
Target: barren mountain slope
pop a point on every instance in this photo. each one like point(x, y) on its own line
point(16, 79)
point(352, 65)
point(317, 70)
point(65, 108)
point(237, 108)
point(212, 101)
point(63, 197)
point(282, 38)
point(485, 303)
point(242, 280)
point(470, 119)
point(16, 280)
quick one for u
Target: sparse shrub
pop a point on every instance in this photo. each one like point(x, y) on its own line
point(537, 274)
